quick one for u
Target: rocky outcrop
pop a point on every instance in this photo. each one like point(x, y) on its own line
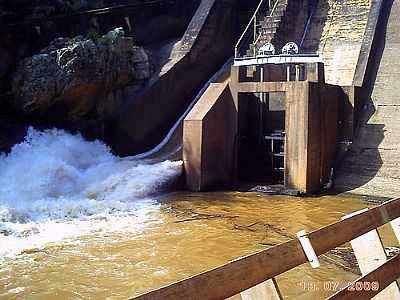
point(73, 78)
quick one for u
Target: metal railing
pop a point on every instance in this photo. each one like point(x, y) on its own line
point(251, 34)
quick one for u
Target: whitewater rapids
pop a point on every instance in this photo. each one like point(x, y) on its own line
point(55, 186)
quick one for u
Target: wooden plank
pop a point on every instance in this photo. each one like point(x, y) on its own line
point(370, 254)
point(366, 286)
point(246, 272)
point(267, 290)
point(369, 251)
point(396, 228)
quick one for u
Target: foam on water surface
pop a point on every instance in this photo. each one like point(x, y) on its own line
point(55, 186)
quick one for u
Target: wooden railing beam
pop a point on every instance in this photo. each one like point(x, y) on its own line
point(366, 287)
point(370, 254)
point(246, 272)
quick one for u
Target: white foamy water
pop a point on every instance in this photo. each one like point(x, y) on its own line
point(55, 186)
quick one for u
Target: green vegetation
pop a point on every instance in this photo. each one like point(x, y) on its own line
point(93, 35)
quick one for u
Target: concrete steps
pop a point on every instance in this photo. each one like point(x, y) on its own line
point(279, 27)
point(289, 27)
point(268, 26)
point(271, 24)
point(373, 165)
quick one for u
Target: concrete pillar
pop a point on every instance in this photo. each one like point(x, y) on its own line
point(209, 140)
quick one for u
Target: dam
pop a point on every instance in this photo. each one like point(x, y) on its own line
point(339, 78)
point(205, 149)
point(321, 31)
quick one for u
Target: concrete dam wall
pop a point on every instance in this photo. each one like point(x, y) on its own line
point(372, 165)
point(358, 41)
point(205, 46)
point(336, 32)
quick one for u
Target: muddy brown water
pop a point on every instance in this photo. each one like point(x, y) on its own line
point(188, 234)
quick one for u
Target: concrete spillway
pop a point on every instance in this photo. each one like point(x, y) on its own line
point(372, 166)
point(205, 46)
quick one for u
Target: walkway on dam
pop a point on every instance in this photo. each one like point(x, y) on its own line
point(373, 165)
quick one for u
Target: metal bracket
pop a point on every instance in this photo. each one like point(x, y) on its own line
point(308, 249)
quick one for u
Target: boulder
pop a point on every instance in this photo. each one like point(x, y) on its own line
point(73, 78)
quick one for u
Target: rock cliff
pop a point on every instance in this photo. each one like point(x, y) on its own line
point(82, 76)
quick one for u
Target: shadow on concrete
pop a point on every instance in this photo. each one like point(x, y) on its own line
point(206, 45)
point(254, 164)
point(319, 10)
point(363, 161)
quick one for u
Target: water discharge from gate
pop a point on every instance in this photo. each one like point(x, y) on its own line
point(80, 223)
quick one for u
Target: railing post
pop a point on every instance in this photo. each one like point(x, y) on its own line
point(396, 228)
point(366, 286)
point(252, 23)
point(370, 254)
point(236, 297)
point(255, 29)
point(267, 290)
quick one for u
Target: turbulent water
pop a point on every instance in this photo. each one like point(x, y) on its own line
point(56, 185)
point(77, 222)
